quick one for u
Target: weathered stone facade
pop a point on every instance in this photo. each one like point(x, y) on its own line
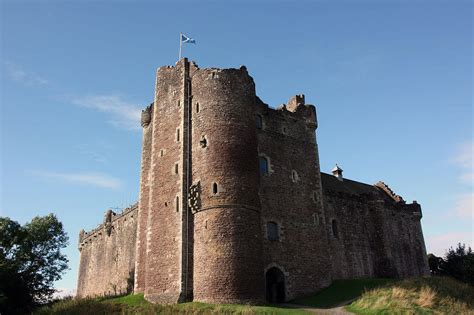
point(233, 207)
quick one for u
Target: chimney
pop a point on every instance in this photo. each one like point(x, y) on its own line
point(337, 171)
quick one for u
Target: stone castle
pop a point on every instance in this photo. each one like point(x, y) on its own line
point(233, 207)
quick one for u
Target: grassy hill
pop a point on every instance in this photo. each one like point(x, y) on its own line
point(435, 295)
point(136, 304)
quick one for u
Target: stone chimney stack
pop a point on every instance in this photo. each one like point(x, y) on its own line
point(337, 171)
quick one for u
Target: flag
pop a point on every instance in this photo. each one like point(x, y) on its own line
point(187, 40)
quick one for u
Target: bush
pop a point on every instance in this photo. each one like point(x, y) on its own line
point(457, 263)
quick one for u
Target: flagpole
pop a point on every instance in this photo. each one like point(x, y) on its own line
point(180, 44)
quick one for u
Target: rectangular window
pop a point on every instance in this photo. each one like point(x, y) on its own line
point(177, 135)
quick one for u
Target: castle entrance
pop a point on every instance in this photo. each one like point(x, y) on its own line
point(275, 285)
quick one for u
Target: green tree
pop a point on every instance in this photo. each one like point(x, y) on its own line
point(30, 262)
point(459, 263)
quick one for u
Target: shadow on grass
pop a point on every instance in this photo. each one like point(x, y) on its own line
point(342, 292)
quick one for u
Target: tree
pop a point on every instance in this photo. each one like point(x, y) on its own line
point(435, 264)
point(459, 263)
point(30, 262)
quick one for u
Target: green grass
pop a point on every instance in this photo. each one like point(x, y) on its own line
point(341, 291)
point(434, 295)
point(136, 304)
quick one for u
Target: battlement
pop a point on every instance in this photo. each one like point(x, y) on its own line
point(384, 187)
point(110, 220)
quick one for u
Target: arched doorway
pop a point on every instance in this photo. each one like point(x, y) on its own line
point(275, 285)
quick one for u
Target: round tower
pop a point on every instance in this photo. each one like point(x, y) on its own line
point(227, 262)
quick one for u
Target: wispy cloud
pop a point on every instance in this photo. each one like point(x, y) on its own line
point(89, 178)
point(439, 244)
point(124, 114)
point(464, 158)
point(18, 74)
point(464, 206)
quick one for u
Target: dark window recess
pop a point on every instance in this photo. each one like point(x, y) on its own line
point(272, 231)
point(197, 107)
point(177, 135)
point(203, 142)
point(263, 162)
point(214, 188)
point(177, 204)
point(259, 122)
point(176, 168)
point(335, 232)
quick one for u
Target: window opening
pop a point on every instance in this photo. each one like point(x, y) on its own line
point(263, 161)
point(272, 231)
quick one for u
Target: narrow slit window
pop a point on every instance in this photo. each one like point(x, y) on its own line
point(197, 107)
point(273, 231)
point(177, 135)
point(263, 162)
point(335, 232)
point(259, 122)
point(214, 188)
point(177, 204)
point(176, 168)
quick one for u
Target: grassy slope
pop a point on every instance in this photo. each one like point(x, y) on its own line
point(136, 304)
point(435, 295)
point(341, 291)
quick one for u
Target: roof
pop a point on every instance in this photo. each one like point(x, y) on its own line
point(332, 183)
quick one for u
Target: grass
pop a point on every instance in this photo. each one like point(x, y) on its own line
point(136, 304)
point(341, 291)
point(434, 295)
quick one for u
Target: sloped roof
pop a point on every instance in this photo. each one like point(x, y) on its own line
point(331, 183)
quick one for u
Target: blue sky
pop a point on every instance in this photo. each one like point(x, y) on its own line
point(392, 83)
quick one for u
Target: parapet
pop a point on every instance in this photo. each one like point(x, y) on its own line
point(147, 115)
point(110, 218)
point(384, 187)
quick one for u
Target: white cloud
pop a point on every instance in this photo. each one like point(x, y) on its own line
point(464, 158)
point(439, 244)
point(95, 179)
point(63, 293)
point(16, 73)
point(464, 206)
point(124, 114)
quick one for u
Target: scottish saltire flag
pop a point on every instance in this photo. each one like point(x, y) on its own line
point(187, 40)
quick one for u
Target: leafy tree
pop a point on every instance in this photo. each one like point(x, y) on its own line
point(30, 262)
point(459, 263)
point(435, 264)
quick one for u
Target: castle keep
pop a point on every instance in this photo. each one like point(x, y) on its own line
point(233, 207)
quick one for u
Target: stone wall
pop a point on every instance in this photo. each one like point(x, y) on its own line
point(107, 259)
point(227, 235)
point(371, 232)
point(290, 195)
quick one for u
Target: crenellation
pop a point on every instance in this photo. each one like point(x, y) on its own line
point(233, 207)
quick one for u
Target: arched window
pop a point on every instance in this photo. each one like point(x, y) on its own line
point(335, 232)
point(294, 176)
point(272, 231)
point(259, 122)
point(214, 188)
point(263, 162)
